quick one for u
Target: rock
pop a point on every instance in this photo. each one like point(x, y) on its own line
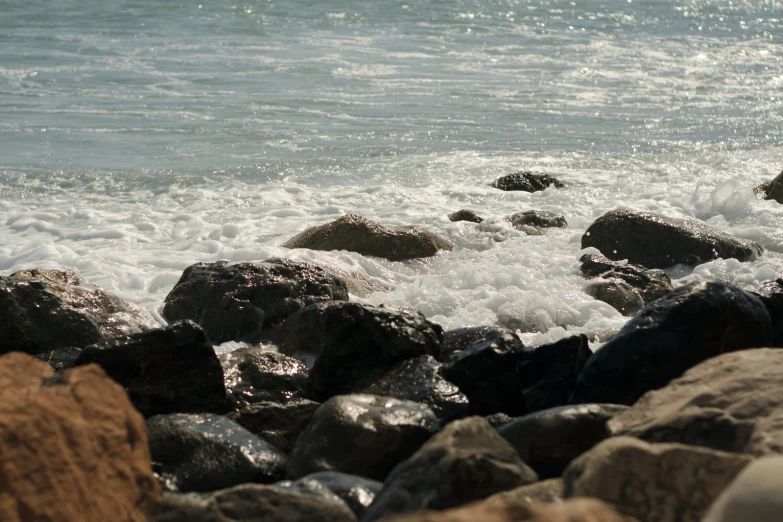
point(235, 302)
point(205, 452)
point(358, 282)
point(465, 215)
point(43, 310)
point(771, 189)
point(357, 234)
point(616, 293)
point(250, 503)
point(457, 340)
point(650, 284)
point(421, 380)
point(260, 375)
point(653, 482)
point(168, 370)
point(771, 294)
point(73, 447)
point(754, 496)
point(498, 419)
point(549, 440)
point(499, 374)
point(278, 424)
point(358, 344)
point(733, 402)
point(655, 346)
point(537, 218)
point(466, 461)
point(61, 358)
point(362, 435)
point(526, 181)
point(544, 491)
point(656, 241)
point(357, 492)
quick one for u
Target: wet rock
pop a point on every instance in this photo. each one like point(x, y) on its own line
point(61, 358)
point(357, 234)
point(278, 424)
point(649, 284)
point(235, 302)
point(362, 435)
point(73, 446)
point(733, 402)
point(655, 241)
point(695, 322)
point(526, 181)
point(251, 503)
point(168, 370)
point(43, 310)
point(465, 215)
point(457, 340)
point(421, 380)
point(616, 293)
point(653, 482)
point(549, 440)
point(771, 189)
point(538, 219)
point(357, 492)
point(466, 461)
point(771, 294)
point(204, 452)
point(260, 375)
point(753, 496)
point(499, 374)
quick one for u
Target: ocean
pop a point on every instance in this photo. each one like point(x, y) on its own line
point(138, 138)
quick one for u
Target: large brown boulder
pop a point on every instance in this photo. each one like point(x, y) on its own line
point(357, 234)
point(72, 446)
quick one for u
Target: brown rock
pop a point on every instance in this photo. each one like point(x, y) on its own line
point(543, 491)
point(73, 447)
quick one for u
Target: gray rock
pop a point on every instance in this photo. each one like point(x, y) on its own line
point(465, 215)
point(649, 284)
point(771, 189)
point(616, 293)
point(278, 424)
point(526, 181)
point(754, 496)
point(357, 492)
point(362, 435)
point(358, 234)
point(260, 375)
point(537, 218)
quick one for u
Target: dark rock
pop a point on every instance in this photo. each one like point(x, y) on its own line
point(771, 294)
point(549, 440)
point(278, 424)
point(357, 492)
point(457, 340)
point(616, 293)
point(235, 302)
point(259, 375)
point(537, 218)
point(358, 234)
point(650, 284)
point(526, 181)
point(465, 215)
point(363, 435)
point(465, 461)
point(421, 380)
point(60, 358)
point(695, 322)
point(498, 419)
point(656, 241)
point(43, 310)
point(204, 452)
point(169, 370)
point(771, 189)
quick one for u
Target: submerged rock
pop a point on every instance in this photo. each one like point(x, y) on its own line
point(465, 215)
point(616, 293)
point(538, 219)
point(771, 189)
point(648, 284)
point(278, 424)
point(526, 181)
point(260, 375)
point(357, 234)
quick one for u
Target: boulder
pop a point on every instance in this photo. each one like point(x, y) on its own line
point(549, 440)
point(61, 358)
point(538, 219)
point(73, 447)
point(236, 302)
point(616, 293)
point(754, 496)
point(526, 181)
point(421, 380)
point(465, 461)
point(733, 402)
point(771, 189)
point(455, 341)
point(260, 375)
point(465, 215)
point(362, 435)
point(544, 491)
point(278, 424)
point(655, 241)
point(672, 334)
point(653, 482)
point(649, 284)
point(357, 492)
point(43, 310)
point(771, 294)
point(205, 452)
point(168, 370)
point(357, 234)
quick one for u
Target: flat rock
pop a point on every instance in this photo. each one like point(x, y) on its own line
point(771, 189)
point(654, 347)
point(261, 375)
point(465, 215)
point(357, 492)
point(538, 219)
point(655, 241)
point(526, 181)
point(278, 424)
point(754, 496)
point(357, 234)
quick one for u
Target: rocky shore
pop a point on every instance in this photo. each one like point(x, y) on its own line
point(340, 411)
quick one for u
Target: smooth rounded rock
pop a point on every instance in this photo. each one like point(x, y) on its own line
point(278, 424)
point(616, 293)
point(260, 375)
point(526, 181)
point(754, 496)
point(538, 219)
point(465, 215)
point(357, 492)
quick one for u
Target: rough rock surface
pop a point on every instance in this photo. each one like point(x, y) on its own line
point(549, 440)
point(455, 341)
point(771, 294)
point(733, 402)
point(754, 496)
point(653, 482)
point(260, 375)
point(42, 310)
point(526, 181)
point(656, 241)
point(649, 284)
point(771, 189)
point(236, 302)
point(616, 293)
point(672, 334)
point(543, 491)
point(538, 219)
point(73, 447)
point(466, 461)
point(357, 234)
point(362, 435)
point(278, 424)
point(465, 215)
point(169, 370)
point(205, 452)
point(357, 492)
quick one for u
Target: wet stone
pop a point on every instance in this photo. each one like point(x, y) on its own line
point(538, 219)
point(526, 181)
point(278, 424)
point(465, 215)
point(261, 375)
point(455, 341)
point(357, 492)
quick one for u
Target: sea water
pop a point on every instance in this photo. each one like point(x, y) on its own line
point(138, 138)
